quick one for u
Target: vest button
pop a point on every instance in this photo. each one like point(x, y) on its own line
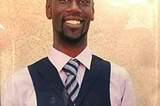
point(74, 104)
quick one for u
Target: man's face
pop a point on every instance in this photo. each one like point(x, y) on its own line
point(70, 18)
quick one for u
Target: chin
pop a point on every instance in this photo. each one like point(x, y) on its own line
point(72, 39)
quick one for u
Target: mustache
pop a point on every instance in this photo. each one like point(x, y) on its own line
point(72, 17)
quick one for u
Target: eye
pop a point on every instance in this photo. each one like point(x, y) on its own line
point(63, 1)
point(85, 1)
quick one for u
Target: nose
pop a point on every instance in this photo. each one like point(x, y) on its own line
point(74, 7)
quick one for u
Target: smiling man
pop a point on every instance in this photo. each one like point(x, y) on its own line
point(71, 20)
point(70, 75)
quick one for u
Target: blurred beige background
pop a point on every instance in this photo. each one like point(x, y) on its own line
point(124, 32)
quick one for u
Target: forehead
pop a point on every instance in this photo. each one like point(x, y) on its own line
point(55, 0)
point(51, 1)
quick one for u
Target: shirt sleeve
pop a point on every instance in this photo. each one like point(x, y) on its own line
point(9, 94)
point(121, 87)
point(128, 95)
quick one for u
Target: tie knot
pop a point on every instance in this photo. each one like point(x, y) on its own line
point(71, 67)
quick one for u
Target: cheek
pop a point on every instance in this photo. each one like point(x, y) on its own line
point(57, 21)
point(88, 13)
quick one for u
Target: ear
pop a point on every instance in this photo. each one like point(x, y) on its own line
point(49, 9)
point(92, 17)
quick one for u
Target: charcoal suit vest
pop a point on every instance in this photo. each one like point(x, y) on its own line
point(50, 90)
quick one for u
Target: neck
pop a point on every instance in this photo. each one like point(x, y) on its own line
point(71, 50)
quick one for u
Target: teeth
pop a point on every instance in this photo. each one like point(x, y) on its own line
point(74, 22)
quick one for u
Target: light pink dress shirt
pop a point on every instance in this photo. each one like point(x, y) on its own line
point(19, 89)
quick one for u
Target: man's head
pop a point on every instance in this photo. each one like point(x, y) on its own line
point(70, 18)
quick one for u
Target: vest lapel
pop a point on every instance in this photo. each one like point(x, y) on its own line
point(52, 79)
point(89, 79)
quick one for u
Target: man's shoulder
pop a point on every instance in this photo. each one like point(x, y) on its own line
point(23, 74)
point(116, 70)
point(18, 78)
point(19, 74)
point(119, 73)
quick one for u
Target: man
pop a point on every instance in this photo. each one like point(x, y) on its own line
point(70, 75)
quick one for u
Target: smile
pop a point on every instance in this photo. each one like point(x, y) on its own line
point(73, 22)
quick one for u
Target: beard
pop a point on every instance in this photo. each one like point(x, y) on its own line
point(69, 39)
point(63, 36)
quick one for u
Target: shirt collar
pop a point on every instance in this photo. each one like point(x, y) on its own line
point(59, 59)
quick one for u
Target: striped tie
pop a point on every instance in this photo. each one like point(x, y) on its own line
point(71, 83)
